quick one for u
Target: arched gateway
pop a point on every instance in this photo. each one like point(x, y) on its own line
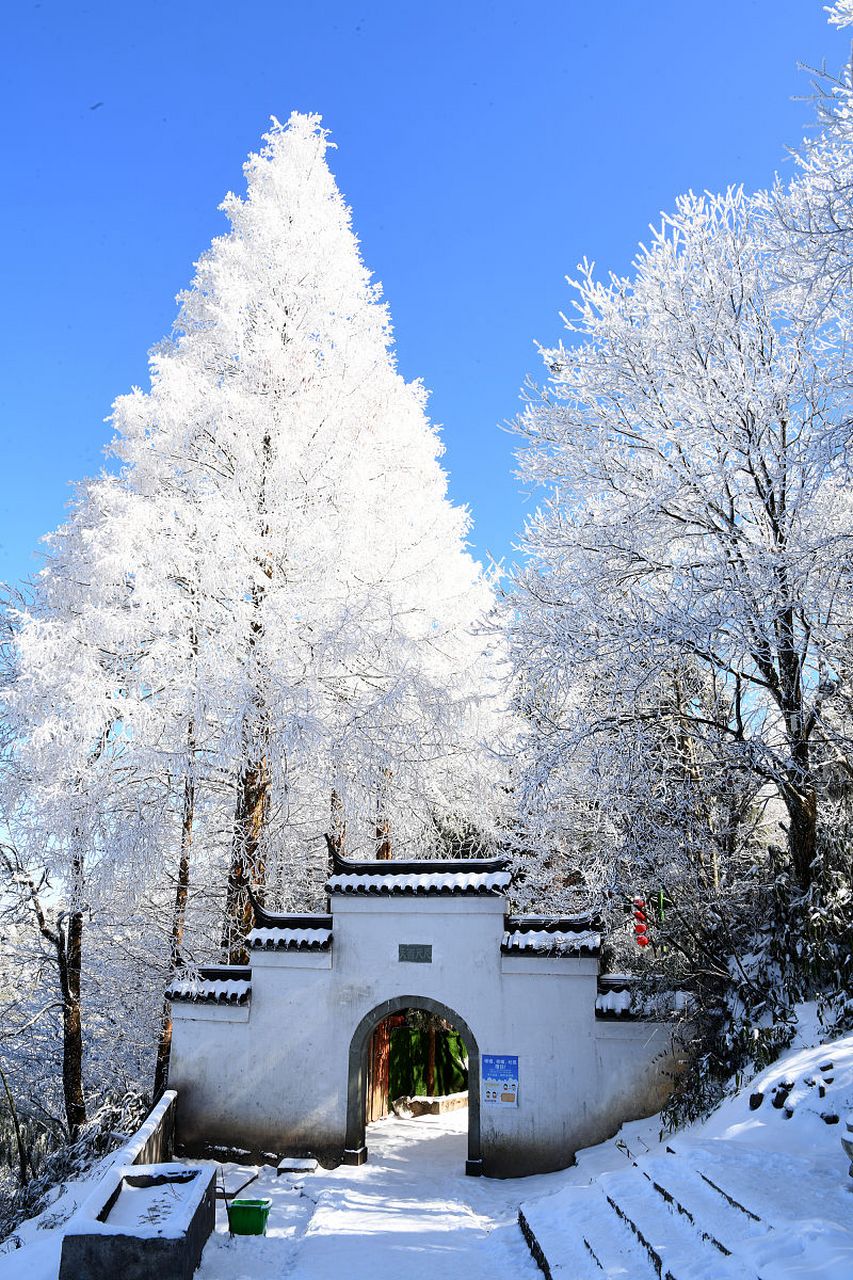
point(271, 1057)
point(355, 1151)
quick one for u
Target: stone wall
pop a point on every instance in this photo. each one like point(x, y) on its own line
point(283, 1072)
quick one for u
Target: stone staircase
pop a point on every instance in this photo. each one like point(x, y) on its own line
point(696, 1211)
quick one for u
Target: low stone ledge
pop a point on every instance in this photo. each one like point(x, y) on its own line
point(154, 1140)
point(424, 1106)
point(112, 1237)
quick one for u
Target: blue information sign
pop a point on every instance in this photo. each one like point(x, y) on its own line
point(500, 1080)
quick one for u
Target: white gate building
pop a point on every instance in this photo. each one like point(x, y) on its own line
point(272, 1057)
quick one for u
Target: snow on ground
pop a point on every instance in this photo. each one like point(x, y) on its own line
point(410, 1212)
point(764, 1178)
point(795, 1105)
point(151, 1206)
point(759, 1189)
point(40, 1238)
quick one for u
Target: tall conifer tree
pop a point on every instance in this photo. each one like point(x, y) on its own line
point(285, 601)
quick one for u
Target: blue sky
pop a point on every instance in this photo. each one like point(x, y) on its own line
point(484, 148)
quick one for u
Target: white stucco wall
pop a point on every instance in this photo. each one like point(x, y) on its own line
point(274, 1076)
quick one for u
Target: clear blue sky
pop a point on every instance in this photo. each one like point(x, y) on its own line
point(484, 148)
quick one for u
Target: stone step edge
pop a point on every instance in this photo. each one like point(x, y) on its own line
point(671, 1200)
point(538, 1253)
point(651, 1252)
point(536, 1250)
point(620, 1203)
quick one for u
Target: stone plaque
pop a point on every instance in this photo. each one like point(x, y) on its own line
point(415, 952)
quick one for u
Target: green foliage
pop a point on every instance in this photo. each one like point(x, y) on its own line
point(408, 1063)
point(749, 960)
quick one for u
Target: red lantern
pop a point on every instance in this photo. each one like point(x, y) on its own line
point(641, 928)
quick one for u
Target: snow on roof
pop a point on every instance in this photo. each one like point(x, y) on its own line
point(283, 931)
point(434, 876)
point(619, 997)
point(615, 1003)
point(275, 938)
point(551, 936)
point(216, 984)
point(423, 883)
point(541, 943)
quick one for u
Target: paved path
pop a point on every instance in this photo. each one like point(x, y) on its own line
point(408, 1214)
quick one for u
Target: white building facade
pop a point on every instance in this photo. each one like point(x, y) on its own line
point(272, 1058)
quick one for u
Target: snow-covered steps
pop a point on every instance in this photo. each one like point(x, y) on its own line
point(711, 1210)
point(679, 1244)
point(579, 1237)
point(625, 1224)
point(699, 1209)
point(777, 1187)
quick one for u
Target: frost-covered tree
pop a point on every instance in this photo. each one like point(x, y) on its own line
point(347, 607)
point(267, 628)
point(809, 220)
point(83, 830)
point(681, 628)
point(692, 445)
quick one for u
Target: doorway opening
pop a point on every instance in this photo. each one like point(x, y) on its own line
point(416, 1040)
point(417, 1064)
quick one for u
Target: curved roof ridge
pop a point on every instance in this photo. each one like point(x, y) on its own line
point(417, 866)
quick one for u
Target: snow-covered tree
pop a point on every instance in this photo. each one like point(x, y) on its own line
point(692, 444)
point(681, 628)
point(267, 628)
point(347, 609)
point(809, 220)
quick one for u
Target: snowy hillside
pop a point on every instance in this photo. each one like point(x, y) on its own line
point(758, 1190)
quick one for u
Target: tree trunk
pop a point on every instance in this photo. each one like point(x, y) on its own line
point(338, 833)
point(801, 803)
point(69, 956)
point(383, 822)
point(247, 865)
point(66, 942)
point(800, 794)
point(254, 782)
point(798, 790)
point(16, 1125)
point(179, 915)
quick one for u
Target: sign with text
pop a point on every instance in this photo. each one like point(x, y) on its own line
point(500, 1080)
point(415, 952)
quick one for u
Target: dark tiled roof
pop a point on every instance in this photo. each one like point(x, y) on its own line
point(620, 999)
point(617, 998)
point(212, 984)
point(616, 982)
point(425, 877)
point(278, 931)
point(551, 936)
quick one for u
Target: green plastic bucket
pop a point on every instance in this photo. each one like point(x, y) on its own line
point(248, 1217)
